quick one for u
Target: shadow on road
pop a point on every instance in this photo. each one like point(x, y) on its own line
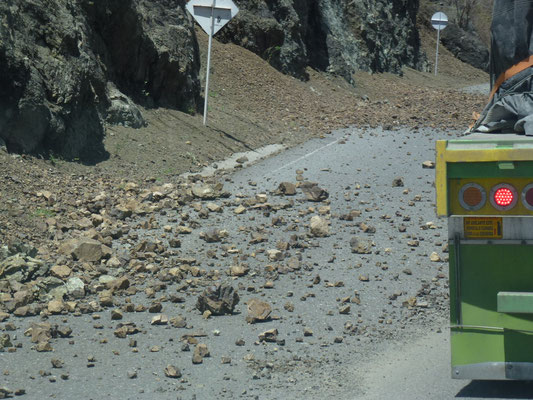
point(497, 390)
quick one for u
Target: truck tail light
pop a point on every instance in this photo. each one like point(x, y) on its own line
point(527, 196)
point(472, 197)
point(503, 197)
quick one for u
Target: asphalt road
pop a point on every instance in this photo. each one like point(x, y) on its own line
point(415, 366)
point(420, 369)
point(386, 349)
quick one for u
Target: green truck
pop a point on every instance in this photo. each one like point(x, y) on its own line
point(484, 187)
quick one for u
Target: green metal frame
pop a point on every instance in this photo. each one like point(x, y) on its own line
point(515, 302)
point(463, 170)
point(480, 333)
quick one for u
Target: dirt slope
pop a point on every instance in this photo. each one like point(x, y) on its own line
point(251, 104)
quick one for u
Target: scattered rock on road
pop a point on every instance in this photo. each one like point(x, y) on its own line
point(219, 300)
point(89, 250)
point(5, 392)
point(258, 311)
point(361, 245)
point(313, 192)
point(200, 351)
point(172, 372)
point(319, 226)
point(204, 191)
point(397, 182)
point(269, 336)
point(287, 189)
point(160, 319)
point(435, 257)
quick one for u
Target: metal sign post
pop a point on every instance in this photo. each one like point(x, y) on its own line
point(211, 15)
point(439, 21)
point(211, 33)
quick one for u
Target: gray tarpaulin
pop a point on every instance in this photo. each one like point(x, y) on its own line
point(511, 107)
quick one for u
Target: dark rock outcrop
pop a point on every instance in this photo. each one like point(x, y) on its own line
point(466, 46)
point(149, 50)
point(53, 90)
point(69, 67)
point(56, 59)
point(329, 35)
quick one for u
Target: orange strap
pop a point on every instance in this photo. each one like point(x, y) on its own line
point(515, 69)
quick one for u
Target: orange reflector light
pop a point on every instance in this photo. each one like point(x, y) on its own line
point(503, 197)
point(472, 196)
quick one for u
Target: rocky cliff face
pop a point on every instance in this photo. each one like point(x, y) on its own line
point(466, 46)
point(68, 66)
point(329, 35)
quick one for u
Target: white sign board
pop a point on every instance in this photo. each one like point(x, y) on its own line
point(439, 21)
point(203, 10)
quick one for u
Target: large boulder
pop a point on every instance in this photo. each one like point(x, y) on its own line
point(319, 227)
point(219, 300)
point(122, 110)
point(22, 268)
point(90, 250)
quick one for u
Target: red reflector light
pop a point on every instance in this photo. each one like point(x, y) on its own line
point(527, 197)
point(503, 197)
